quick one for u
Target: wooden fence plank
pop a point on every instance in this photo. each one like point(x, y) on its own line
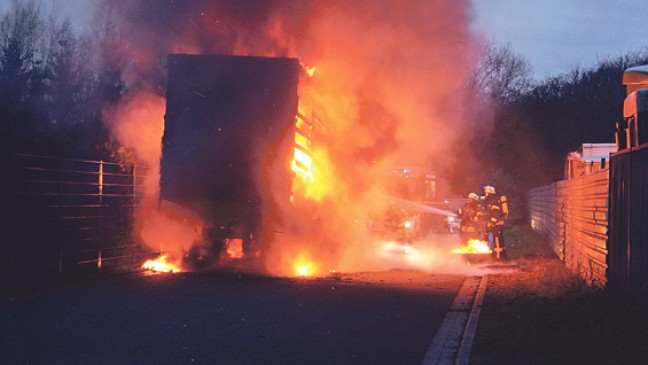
point(573, 216)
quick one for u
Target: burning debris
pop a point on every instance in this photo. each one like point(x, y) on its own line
point(160, 264)
point(473, 247)
point(304, 267)
point(234, 248)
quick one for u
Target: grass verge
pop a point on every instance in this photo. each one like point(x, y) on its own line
point(544, 314)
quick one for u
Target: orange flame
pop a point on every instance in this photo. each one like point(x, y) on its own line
point(310, 70)
point(234, 248)
point(304, 267)
point(302, 165)
point(473, 247)
point(376, 99)
point(160, 264)
point(303, 161)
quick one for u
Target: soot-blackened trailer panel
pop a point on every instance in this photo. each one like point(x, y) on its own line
point(229, 125)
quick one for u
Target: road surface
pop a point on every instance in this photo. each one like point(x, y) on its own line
point(386, 317)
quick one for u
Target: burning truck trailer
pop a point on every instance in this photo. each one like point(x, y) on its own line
point(227, 149)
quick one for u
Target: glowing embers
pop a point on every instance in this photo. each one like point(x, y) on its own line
point(161, 264)
point(303, 267)
point(473, 247)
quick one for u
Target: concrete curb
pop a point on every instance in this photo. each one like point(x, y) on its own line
point(453, 341)
point(471, 327)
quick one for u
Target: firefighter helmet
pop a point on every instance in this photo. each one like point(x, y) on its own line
point(489, 190)
point(473, 196)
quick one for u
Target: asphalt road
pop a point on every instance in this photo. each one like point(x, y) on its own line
point(386, 317)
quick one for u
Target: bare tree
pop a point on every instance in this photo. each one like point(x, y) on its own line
point(501, 75)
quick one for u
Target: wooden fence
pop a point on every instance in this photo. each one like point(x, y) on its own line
point(573, 216)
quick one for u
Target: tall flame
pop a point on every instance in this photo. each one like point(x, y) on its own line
point(387, 89)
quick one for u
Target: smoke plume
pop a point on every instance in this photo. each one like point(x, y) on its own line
point(388, 90)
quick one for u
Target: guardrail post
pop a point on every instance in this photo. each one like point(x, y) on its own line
point(133, 210)
point(101, 210)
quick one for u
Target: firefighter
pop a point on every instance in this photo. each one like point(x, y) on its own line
point(469, 227)
point(495, 219)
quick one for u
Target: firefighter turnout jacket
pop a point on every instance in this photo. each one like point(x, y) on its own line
point(469, 213)
point(496, 216)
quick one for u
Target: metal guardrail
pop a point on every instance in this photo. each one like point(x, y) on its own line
point(61, 207)
point(114, 257)
point(573, 216)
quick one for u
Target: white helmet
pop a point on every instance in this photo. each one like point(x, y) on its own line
point(473, 196)
point(489, 189)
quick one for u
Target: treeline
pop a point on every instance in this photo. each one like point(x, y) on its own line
point(525, 128)
point(53, 85)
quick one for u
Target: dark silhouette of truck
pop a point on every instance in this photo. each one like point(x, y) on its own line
point(228, 144)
